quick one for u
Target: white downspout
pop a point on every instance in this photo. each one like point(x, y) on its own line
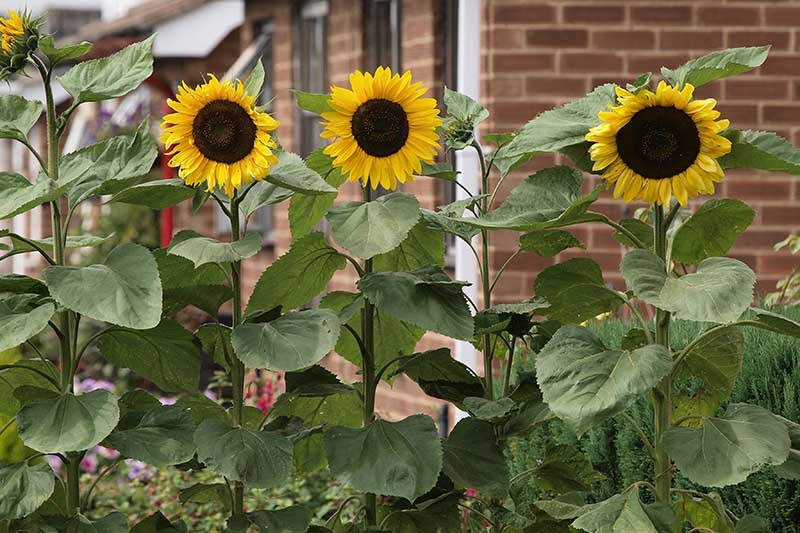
point(469, 83)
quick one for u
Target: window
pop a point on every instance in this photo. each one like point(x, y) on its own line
point(65, 21)
point(311, 67)
point(382, 34)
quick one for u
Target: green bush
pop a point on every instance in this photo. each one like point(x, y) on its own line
point(770, 377)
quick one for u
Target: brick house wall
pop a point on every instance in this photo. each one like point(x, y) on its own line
point(538, 54)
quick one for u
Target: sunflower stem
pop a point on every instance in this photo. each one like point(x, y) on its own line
point(486, 282)
point(66, 318)
point(662, 394)
point(368, 370)
point(238, 370)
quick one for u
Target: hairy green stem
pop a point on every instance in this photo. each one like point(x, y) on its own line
point(662, 394)
point(369, 372)
point(238, 370)
point(486, 282)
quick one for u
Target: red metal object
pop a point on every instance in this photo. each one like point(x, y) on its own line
point(167, 216)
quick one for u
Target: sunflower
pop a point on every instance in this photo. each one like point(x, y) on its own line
point(216, 136)
point(656, 145)
point(383, 128)
point(19, 37)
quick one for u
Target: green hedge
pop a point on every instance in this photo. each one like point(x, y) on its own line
point(770, 377)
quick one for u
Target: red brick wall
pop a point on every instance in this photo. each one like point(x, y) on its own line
point(538, 54)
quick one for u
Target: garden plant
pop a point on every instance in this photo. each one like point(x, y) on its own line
point(652, 142)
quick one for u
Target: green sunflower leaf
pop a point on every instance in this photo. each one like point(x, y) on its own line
point(548, 243)
point(711, 230)
point(163, 436)
point(18, 195)
point(158, 194)
point(708, 372)
point(297, 276)
point(790, 469)
point(124, 290)
point(725, 451)
point(183, 284)
point(294, 519)
point(294, 341)
point(442, 171)
point(623, 513)
point(583, 382)
point(18, 246)
point(19, 325)
point(640, 229)
point(255, 80)
point(292, 173)
point(24, 488)
point(441, 376)
point(426, 297)
point(551, 198)
point(388, 458)
point(168, 355)
point(774, 322)
point(717, 65)
point(111, 76)
point(257, 458)
point(562, 128)
point(260, 194)
point(463, 114)
point(720, 291)
point(17, 117)
point(422, 247)
point(108, 166)
point(761, 150)
point(24, 373)
point(575, 291)
point(202, 250)
point(307, 210)
point(65, 53)
point(367, 229)
point(67, 423)
point(474, 460)
point(314, 102)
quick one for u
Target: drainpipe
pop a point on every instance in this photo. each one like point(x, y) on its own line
point(469, 83)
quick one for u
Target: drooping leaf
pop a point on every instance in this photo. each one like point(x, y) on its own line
point(257, 458)
point(163, 436)
point(720, 291)
point(19, 325)
point(18, 116)
point(298, 275)
point(201, 250)
point(561, 128)
point(67, 422)
point(709, 369)
point(216, 342)
point(294, 519)
point(438, 220)
point(24, 488)
point(367, 229)
point(548, 243)
point(65, 53)
point(124, 290)
point(183, 284)
point(422, 247)
point(19, 284)
point(564, 469)
point(111, 76)
point(717, 65)
point(393, 338)
point(442, 171)
point(158, 194)
point(313, 102)
point(294, 341)
point(708, 512)
point(390, 458)
point(168, 355)
point(761, 150)
point(72, 242)
point(158, 523)
point(725, 451)
point(473, 459)
point(292, 173)
point(551, 198)
point(307, 210)
point(622, 513)
point(441, 376)
point(711, 230)
point(775, 322)
point(584, 382)
point(426, 297)
point(489, 410)
point(576, 291)
point(108, 166)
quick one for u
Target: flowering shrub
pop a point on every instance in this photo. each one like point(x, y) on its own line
point(654, 142)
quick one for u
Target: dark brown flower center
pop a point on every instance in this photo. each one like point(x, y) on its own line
point(224, 132)
point(380, 127)
point(659, 142)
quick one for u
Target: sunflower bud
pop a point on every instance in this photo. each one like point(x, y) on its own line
point(19, 38)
